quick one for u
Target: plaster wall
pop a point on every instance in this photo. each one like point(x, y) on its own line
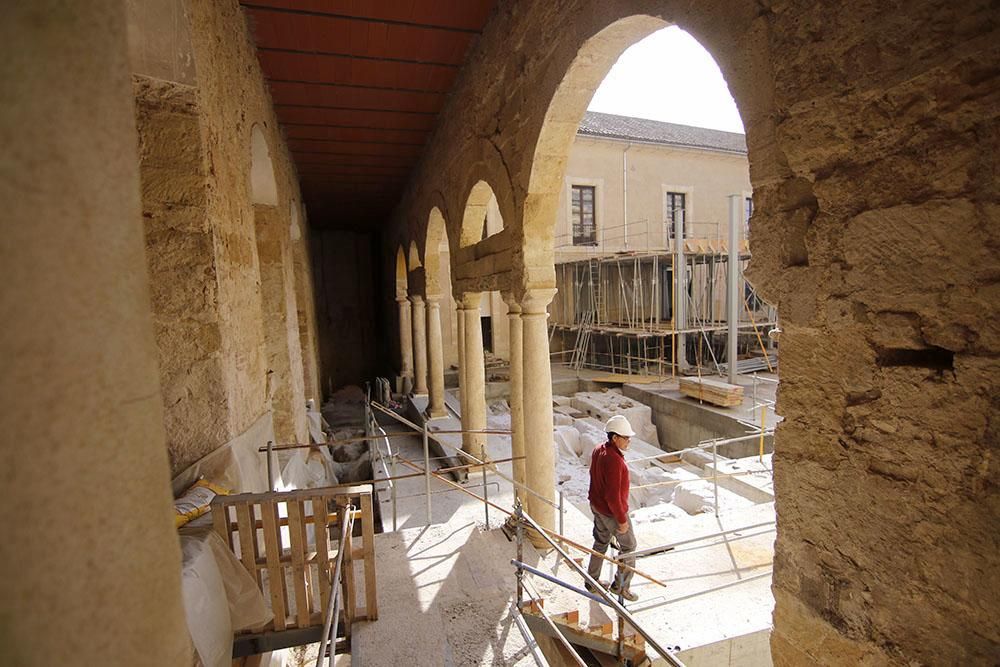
point(90, 555)
point(706, 177)
point(872, 138)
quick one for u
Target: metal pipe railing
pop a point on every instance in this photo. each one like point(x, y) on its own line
point(611, 602)
point(331, 620)
point(463, 453)
point(557, 581)
point(652, 551)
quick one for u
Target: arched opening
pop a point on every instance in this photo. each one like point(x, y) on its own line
point(437, 266)
point(630, 219)
point(263, 186)
point(413, 257)
point(480, 220)
point(401, 271)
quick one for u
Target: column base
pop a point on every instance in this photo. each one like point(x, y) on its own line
point(437, 414)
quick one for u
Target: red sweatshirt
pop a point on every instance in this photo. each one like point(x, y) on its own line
point(609, 482)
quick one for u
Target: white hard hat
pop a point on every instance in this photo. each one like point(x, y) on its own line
point(618, 424)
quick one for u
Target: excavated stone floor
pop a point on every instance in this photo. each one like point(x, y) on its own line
point(455, 577)
point(446, 589)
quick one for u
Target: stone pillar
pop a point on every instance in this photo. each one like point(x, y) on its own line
point(405, 339)
point(474, 414)
point(516, 388)
point(435, 358)
point(537, 382)
point(463, 384)
point(419, 346)
point(90, 550)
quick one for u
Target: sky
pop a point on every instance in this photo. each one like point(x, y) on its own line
point(669, 76)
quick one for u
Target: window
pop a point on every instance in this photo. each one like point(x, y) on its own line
point(676, 211)
point(748, 211)
point(584, 224)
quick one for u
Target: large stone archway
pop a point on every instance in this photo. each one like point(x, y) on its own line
point(869, 134)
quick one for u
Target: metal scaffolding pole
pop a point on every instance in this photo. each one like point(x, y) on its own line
point(680, 290)
point(734, 300)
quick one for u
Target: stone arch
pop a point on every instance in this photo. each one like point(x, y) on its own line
point(434, 247)
point(401, 271)
point(263, 184)
point(562, 118)
point(481, 216)
point(413, 257)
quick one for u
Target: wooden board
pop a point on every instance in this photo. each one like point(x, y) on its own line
point(712, 391)
point(625, 378)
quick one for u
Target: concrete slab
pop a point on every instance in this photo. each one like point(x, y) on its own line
point(754, 480)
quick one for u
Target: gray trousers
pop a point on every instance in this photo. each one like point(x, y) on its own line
point(606, 527)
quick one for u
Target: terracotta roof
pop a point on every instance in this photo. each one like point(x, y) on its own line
point(641, 129)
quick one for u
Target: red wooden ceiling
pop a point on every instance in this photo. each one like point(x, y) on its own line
point(357, 87)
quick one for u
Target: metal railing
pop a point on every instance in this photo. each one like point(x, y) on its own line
point(602, 595)
point(425, 433)
point(331, 619)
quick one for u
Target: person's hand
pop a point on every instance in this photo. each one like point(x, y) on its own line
point(623, 528)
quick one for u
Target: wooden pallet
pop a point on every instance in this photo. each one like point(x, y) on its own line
point(712, 391)
point(270, 532)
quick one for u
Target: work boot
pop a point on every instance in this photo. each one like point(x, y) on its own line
point(626, 594)
point(591, 589)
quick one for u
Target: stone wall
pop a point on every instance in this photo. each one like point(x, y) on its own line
point(353, 347)
point(227, 274)
point(872, 141)
point(282, 344)
point(879, 237)
point(180, 256)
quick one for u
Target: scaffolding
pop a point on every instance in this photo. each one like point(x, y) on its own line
point(617, 310)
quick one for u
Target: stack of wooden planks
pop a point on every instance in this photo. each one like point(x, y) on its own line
point(715, 392)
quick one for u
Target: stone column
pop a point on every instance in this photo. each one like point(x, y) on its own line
point(463, 384)
point(516, 388)
point(474, 414)
point(435, 358)
point(419, 346)
point(537, 383)
point(405, 339)
point(78, 340)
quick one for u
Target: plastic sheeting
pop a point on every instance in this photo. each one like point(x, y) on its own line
point(308, 469)
point(220, 596)
point(316, 423)
point(237, 465)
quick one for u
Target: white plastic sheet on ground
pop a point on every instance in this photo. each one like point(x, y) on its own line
point(220, 597)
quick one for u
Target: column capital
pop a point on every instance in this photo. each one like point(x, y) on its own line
point(416, 299)
point(535, 301)
point(433, 300)
point(471, 300)
point(513, 305)
point(401, 297)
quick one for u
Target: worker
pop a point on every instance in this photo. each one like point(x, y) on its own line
point(608, 495)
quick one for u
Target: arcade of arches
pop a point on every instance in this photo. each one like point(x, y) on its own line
point(161, 300)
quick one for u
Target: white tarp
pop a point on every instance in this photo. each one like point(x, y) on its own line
point(220, 596)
